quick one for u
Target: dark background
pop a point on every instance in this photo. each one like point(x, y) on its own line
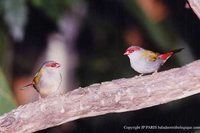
point(106, 30)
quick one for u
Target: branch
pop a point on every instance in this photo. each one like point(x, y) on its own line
point(195, 5)
point(108, 97)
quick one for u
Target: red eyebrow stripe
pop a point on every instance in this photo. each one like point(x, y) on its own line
point(53, 65)
point(133, 49)
point(48, 65)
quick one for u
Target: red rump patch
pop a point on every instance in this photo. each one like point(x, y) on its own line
point(166, 55)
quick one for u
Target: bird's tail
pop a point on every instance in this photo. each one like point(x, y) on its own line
point(27, 86)
point(177, 50)
point(166, 56)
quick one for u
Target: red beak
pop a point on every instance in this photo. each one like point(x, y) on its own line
point(126, 53)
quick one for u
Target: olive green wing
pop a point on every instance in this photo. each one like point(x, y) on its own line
point(151, 55)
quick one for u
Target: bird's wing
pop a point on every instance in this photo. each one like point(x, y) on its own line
point(37, 76)
point(36, 79)
point(151, 55)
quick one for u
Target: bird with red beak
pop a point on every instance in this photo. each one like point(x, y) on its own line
point(47, 80)
point(144, 61)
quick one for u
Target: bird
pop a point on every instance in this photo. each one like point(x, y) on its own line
point(47, 80)
point(145, 61)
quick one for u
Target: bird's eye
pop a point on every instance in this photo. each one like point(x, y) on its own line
point(55, 65)
point(131, 50)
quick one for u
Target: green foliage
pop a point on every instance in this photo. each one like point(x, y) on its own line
point(2, 42)
point(54, 8)
point(157, 31)
point(15, 16)
point(6, 98)
point(15, 13)
point(1, 8)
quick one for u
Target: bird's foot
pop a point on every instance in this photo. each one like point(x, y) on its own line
point(155, 72)
point(138, 76)
point(141, 75)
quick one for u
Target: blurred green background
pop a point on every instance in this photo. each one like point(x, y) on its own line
point(89, 37)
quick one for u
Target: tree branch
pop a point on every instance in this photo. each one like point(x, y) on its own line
point(195, 5)
point(108, 97)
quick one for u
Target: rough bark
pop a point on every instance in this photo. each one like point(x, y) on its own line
point(195, 5)
point(108, 97)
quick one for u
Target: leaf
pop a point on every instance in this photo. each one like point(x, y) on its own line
point(7, 101)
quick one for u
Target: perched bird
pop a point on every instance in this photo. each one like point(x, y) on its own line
point(144, 61)
point(47, 80)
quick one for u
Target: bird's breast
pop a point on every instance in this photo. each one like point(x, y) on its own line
point(142, 65)
point(49, 84)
